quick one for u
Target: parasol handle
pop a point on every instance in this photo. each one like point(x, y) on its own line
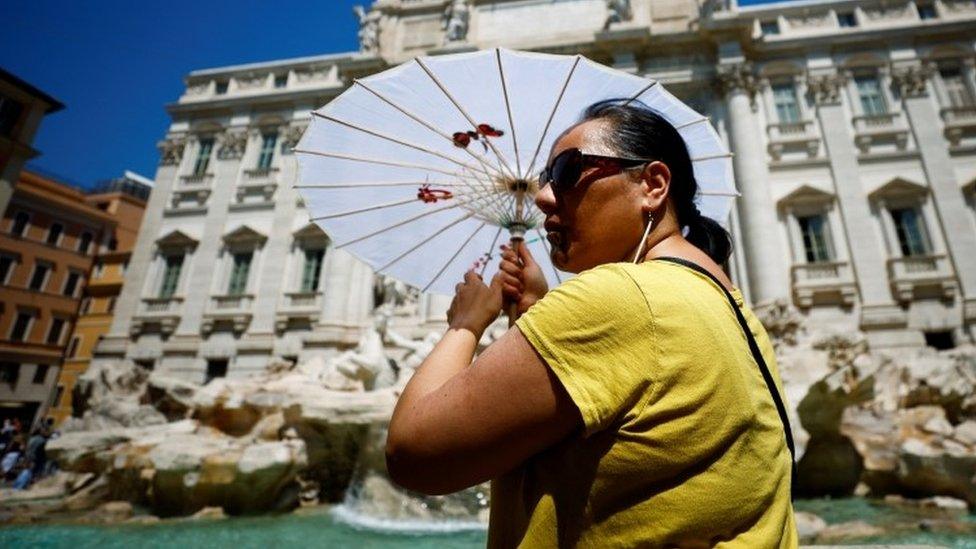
point(512, 306)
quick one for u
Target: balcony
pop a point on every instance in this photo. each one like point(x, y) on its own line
point(885, 132)
point(185, 202)
point(829, 282)
point(255, 195)
point(922, 276)
point(305, 306)
point(260, 174)
point(793, 139)
point(234, 310)
point(960, 123)
point(196, 178)
point(164, 312)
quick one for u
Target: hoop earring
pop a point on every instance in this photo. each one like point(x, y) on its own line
point(647, 231)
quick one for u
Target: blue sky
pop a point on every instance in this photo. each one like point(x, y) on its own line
point(115, 64)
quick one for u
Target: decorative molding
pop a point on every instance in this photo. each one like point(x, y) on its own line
point(171, 150)
point(825, 89)
point(252, 82)
point(199, 88)
point(912, 80)
point(737, 77)
point(369, 29)
point(232, 144)
point(618, 11)
point(454, 22)
point(290, 135)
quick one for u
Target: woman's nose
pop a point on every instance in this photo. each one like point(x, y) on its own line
point(545, 200)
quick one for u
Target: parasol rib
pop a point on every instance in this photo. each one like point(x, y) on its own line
point(692, 123)
point(423, 123)
point(425, 240)
point(457, 204)
point(545, 244)
point(508, 108)
point(433, 77)
point(494, 243)
point(453, 257)
point(391, 184)
point(376, 161)
point(559, 99)
point(394, 140)
point(366, 209)
point(640, 93)
point(712, 156)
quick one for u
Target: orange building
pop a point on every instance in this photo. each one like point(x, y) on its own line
point(124, 199)
point(49, 237)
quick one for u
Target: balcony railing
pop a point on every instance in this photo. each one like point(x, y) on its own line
point(196, 178)
point(161, 304)
point(959, 121)
point(829, 281)
point(237, 302)
point(260, 174)
point(913, 272)
point(303, 300)
point(787, 137)
point(878, 129)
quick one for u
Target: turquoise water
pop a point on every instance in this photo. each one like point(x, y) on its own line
point(321, 529)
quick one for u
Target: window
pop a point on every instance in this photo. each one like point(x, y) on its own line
point(312, 270)
point(816, 238)
point(40, 374)
point(787, 106)
point(869, 91)
point(123, 267)
point(846, 19)
point(910, 229)
point(84, 242)
point(10, 112)
point(221, 88)
point(203, 156)
point(21, 327)
point(215, 369)
point(9, 372)
point(926, 11)
point(769, 28)
point(39, 277)
point(19, 227)
point(238, 273)
point(57, 397)
point(99, 269)
point(6, 267)
point(73, 347)
point(54, 332)
point(113, 244)
point(54, 233)
point(942, 340)
point(281, 81)
point(268, 141)
point(110, 306)
point(85, 306)
point(955, 86)
point(171, 276)
point(71, 283)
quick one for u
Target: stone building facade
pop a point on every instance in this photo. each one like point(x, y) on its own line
point(852, 121)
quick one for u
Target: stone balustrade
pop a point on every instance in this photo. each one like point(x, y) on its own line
point(823, 282)
point(912, 274)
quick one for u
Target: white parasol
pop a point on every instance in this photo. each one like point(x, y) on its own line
point(423, 170)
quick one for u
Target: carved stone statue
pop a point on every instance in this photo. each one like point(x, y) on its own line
point(369, 29)
point(367, 364)
point(455, 21)
point(232, 144)
point(171, 150)
point(394, 297)
point(618, 11)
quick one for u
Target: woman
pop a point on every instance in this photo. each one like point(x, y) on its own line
point(625, 408)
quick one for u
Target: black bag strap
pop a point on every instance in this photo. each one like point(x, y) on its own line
point(756, 355)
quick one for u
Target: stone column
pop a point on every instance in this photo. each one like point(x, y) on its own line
point(768, 278)
point(913, 81)
point(867, 252)
point(140, 262)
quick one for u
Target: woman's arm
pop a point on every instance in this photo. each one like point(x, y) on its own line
point(457, 425)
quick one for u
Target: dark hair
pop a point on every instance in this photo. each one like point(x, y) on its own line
point(640, 132)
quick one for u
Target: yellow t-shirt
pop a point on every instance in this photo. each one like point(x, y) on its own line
point(682, 445)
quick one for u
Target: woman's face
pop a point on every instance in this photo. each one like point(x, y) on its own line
point(598, 221)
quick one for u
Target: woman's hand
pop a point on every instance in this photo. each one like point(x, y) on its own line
point(475, 305)
point(522, 279)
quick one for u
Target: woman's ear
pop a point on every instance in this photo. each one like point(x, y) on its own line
point(655, 184)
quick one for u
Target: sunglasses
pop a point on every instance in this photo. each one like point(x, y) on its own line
point(564, 172)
